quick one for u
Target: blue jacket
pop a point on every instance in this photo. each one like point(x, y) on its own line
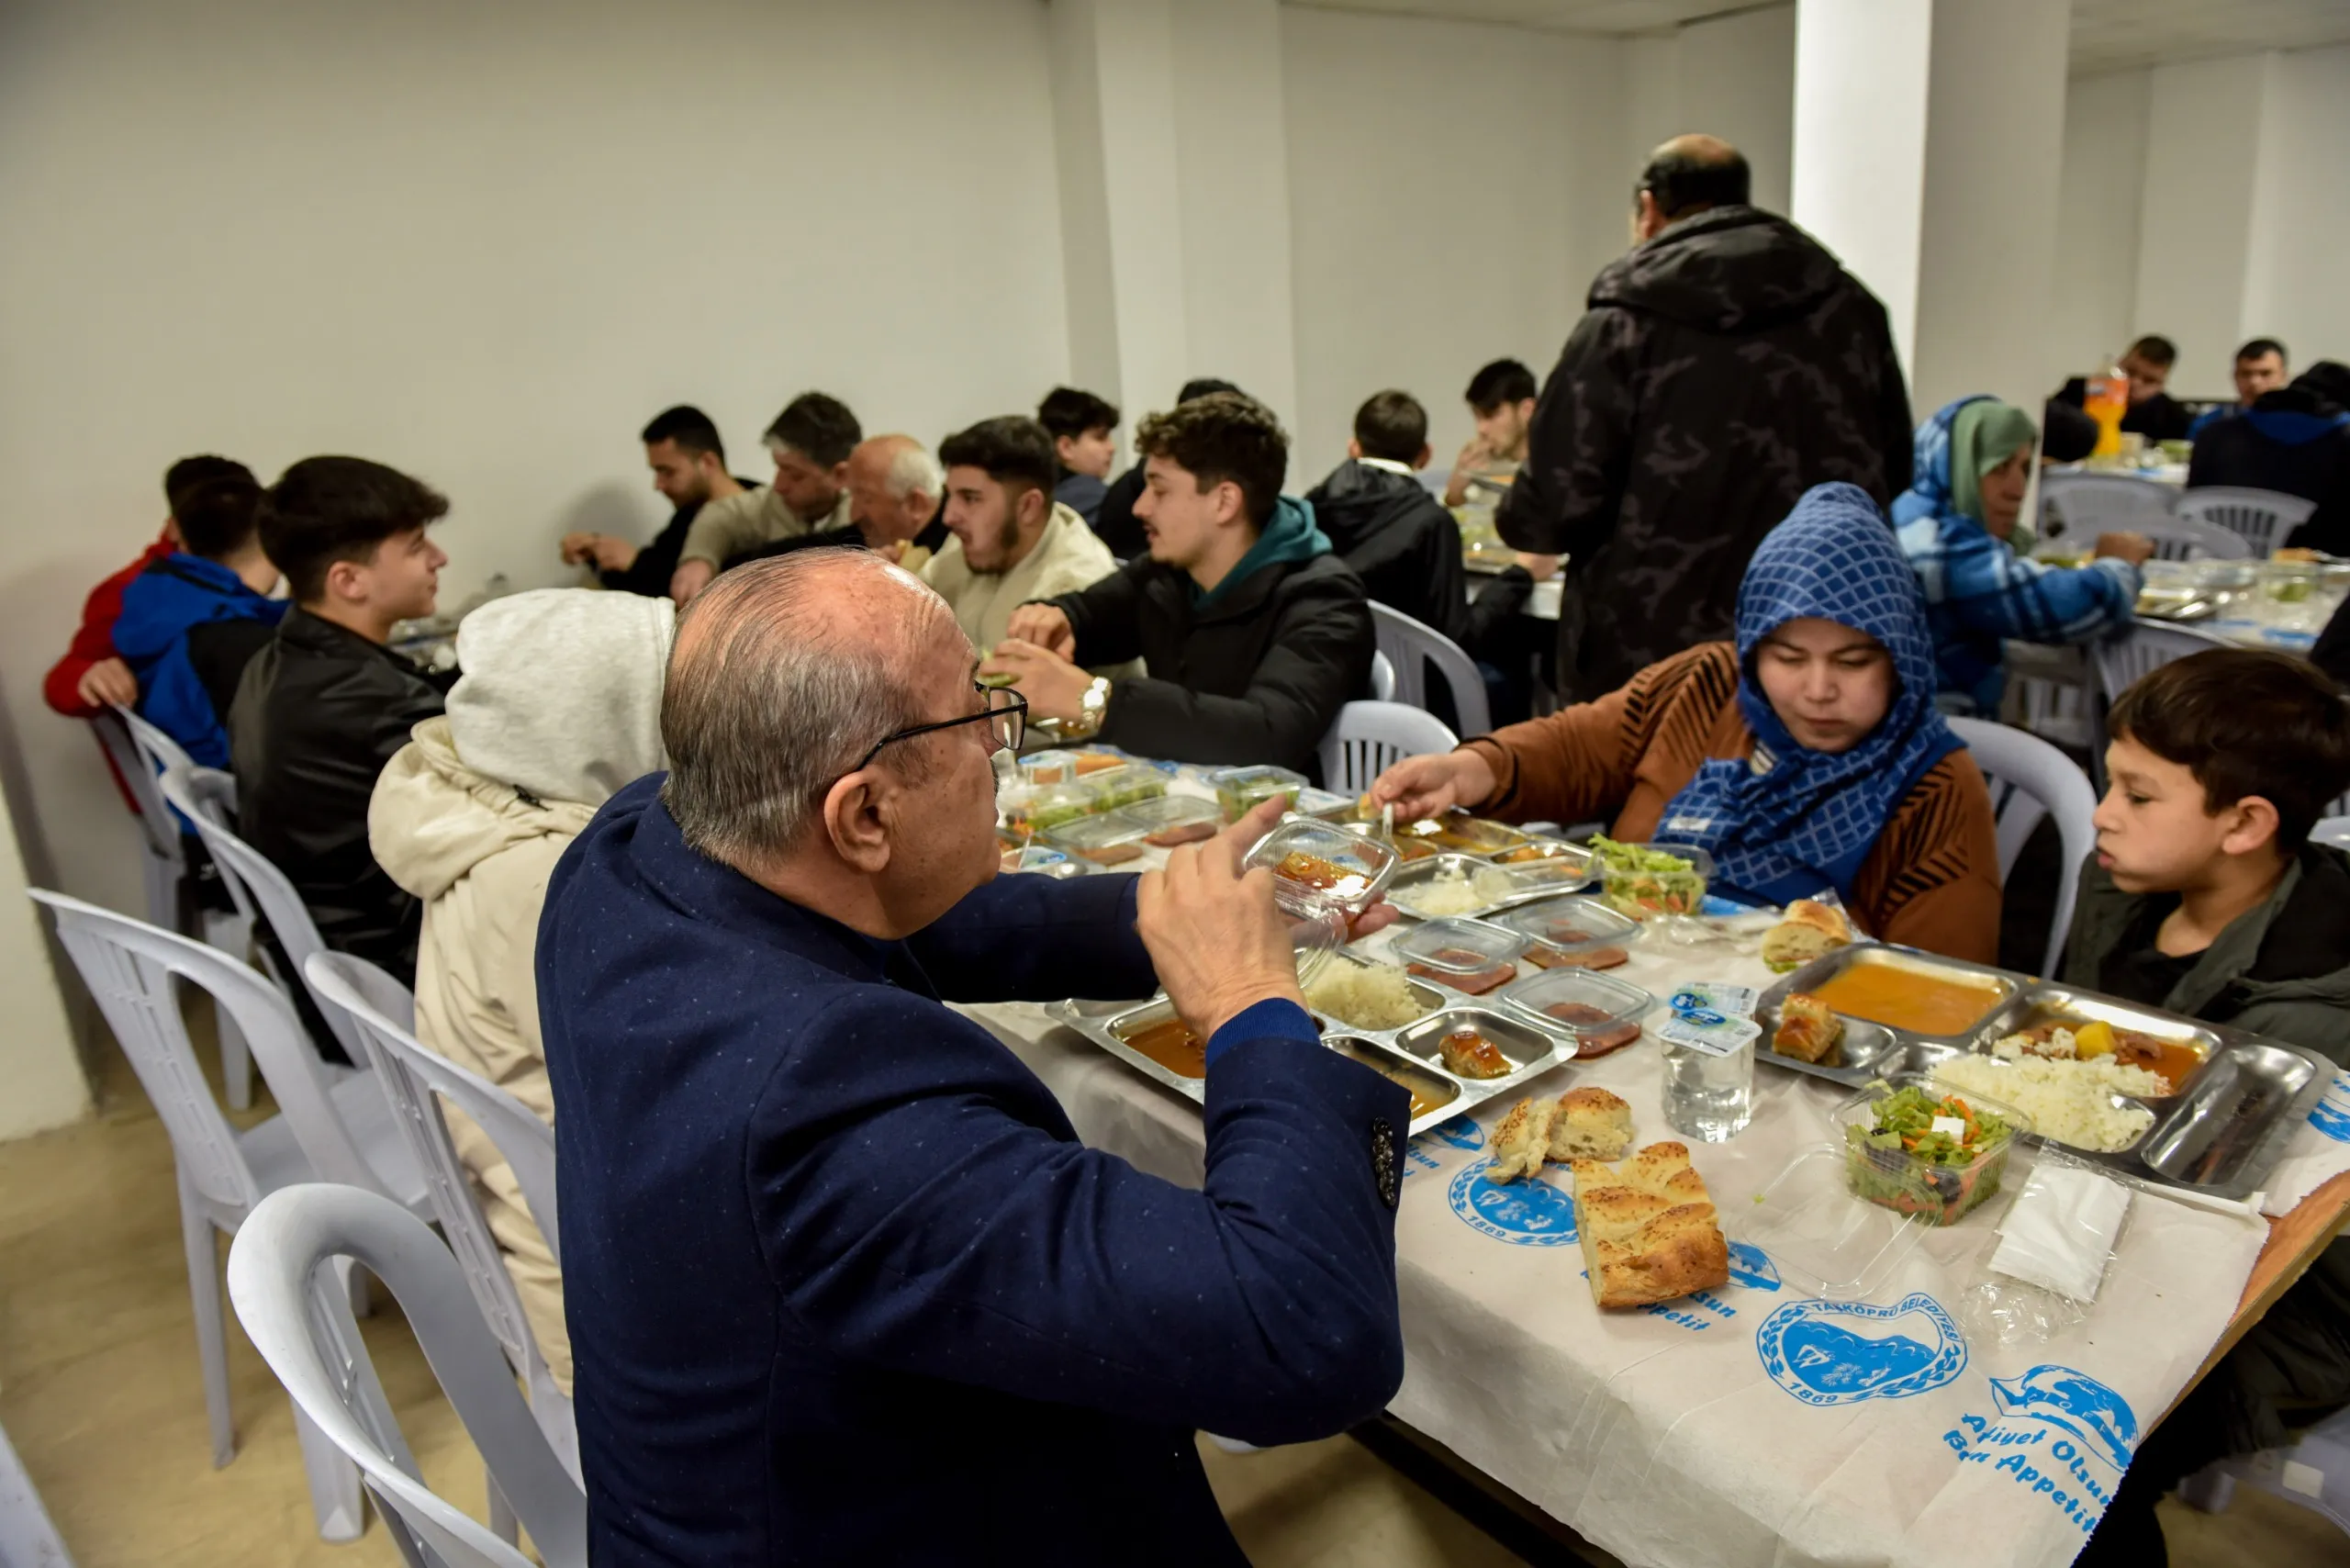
point(842, 1285)
point(160, 607)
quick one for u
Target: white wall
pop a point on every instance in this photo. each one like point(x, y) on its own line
point(1735, 79)
point(1448, 186)
point(483, 244)
point(2302, 209)
point(2098, 221)
point(2203, 150)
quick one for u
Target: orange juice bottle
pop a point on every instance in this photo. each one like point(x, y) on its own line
point(2107, 401)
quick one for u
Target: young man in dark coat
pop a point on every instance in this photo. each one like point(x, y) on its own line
point(842, 1285)
point(2295, 441)
point(1115, 522)
point(688, 463)
point(1253, 634)
point(1726, 364)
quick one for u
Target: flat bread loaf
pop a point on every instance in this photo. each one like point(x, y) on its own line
point(1522, 1140)
point(1648, 1229)
point(1592, 1124)
point(1807, 930)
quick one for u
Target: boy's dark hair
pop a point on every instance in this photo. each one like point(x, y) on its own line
point(216, 518)
point(1067, 411)
point(1685, 181)
point(2155, 349)
point(1200, 387)
point(325, 510)
point(1013, 451)
point(819, 428)
point(692, 431)
point(1224, 435)
point(189, 472)
point(2261, 348)
point(1504, 381)
point(2245, 721)
point(1391, 425)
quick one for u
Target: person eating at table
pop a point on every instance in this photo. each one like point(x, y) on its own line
point(1806, 755)
point(842, 1285)
point(1961, 525)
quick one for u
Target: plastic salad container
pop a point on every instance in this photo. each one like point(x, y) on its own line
point(1471, 956)
point(1106, 840)
point(1577, 1002)
point(1167, 821)
point(1642, 880)
point(1571, 926)
point(1127, 784)
point(1921, 1149)
point(1048, 768)
point(1317, 868)
point(1239, 789)
point(1029, 811)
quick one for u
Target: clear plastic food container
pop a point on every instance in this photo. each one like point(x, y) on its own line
point(1126, 784)
point(1576, 1001)
point(1318, 868)
point(1571, 926)
point(1171, 819)
point(1821, 1242)
point(1048, 768)
point(1239, 789)
point(1471, 956)
point(1327, 804)
point(1027, 810)
point(1036, 859)
point(1903, 1178)
point(1643, 893)
point(1106, 840)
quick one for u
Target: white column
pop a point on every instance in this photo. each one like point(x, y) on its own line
point(1928, 145)
point(2203, 260)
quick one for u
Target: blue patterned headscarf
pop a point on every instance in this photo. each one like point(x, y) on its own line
point(1789, 821)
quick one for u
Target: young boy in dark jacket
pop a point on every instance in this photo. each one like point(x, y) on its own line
point(2205, 898)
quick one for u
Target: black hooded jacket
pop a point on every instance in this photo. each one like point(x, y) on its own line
point(1406, 548)
point(2292, 441)
point(1724, 367)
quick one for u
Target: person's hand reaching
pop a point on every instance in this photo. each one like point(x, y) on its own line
point(579, 548)
point(1421, 787)
point(1045, 626)
point(2134, 548)
point(106, 683)
point(1219, 942)
point(1538, 567)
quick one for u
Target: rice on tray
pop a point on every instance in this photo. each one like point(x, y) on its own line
point(2067, 1101)
point(1364, 995)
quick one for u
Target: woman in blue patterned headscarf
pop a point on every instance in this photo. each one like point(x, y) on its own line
point(1806, 757)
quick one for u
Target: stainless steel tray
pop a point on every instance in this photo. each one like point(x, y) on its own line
point(1407, 1054)
point(2219, 1136)
point(1412, 873)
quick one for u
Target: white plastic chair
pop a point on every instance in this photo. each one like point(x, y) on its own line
point(305, 1333)
point(385, 1012)
point(337, 1128)
point(165, 859)
point(2263, 517)
point(2088, 503)
point(1411, 646)
point(259, 887)
point(2189, 539)
point(28, 1537)
point(1371, 737)
point(2030, 779)
point(2143, 647)
point(229, 930)
point(1382, 677)
point(2335, 831)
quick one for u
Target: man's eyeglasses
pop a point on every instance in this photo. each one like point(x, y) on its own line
point(1006, 715)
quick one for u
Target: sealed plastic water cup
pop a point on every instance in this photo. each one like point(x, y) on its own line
point(1708, 1074)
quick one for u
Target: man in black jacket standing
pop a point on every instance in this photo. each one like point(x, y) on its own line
point(324, 706)
point(1726, 364)
point(1253, 634)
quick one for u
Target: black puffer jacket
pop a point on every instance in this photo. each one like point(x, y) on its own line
point(319, 711)
point(1399, 540)
point(1257, 676)
point(1724, 368)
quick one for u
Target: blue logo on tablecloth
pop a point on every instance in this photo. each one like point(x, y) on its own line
point(2330, 1116)
point(2059, 1433)
point(1528, 1212)
point(1425, 1152)
point(1842, 1352)
point(1752, 1267)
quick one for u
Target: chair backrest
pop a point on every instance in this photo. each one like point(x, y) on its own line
point(118, 733)
point(297, 1078)
point(2263, 517)
point(411, 1072)
point(2144, 647)
point(1412, 645)
point(2030, 779)
point(2335, 831)
point(2084, 501)
point(254, 882)
point(2188, 538)
point(1382, 677)
point(303, 1328)
point(133, 990)
point(1371, 737)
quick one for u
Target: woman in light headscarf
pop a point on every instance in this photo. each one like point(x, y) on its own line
point(559, 707)
point(1961, 525)
point(1806, 757)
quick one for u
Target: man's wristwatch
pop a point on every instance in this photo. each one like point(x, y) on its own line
point(1093, 706)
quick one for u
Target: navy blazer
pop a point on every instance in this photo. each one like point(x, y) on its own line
point(842, 1285)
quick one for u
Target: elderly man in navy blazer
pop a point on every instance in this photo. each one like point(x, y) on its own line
point(844, 1287)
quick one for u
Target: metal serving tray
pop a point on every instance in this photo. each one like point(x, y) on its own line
point(1409, 1054)
point(2219, 1136)
point(1541, 883)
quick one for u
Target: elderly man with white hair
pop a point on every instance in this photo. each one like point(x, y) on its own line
point(844, 1285)
point(895, 487)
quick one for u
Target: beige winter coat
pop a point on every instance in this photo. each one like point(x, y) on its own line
point(727, 528)
point(1067, 557)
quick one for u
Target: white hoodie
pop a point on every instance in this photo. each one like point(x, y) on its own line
point(559, 707)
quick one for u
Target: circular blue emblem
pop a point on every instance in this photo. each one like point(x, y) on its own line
point(1752, 1267)
point(1461, 1132)
point(1842, 1352)
point(2330, 1116)
point(1527, 1211)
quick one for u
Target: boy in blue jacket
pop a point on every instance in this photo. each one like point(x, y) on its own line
point(191, 619)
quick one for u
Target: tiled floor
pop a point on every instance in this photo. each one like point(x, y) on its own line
point(98, 1390)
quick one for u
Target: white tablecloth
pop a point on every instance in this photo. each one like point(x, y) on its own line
point(1754, 1424)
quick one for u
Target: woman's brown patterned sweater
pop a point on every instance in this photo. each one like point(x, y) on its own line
point(1932, 880)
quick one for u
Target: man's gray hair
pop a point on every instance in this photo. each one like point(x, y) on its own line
point(772, 695)
point(914, 468)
